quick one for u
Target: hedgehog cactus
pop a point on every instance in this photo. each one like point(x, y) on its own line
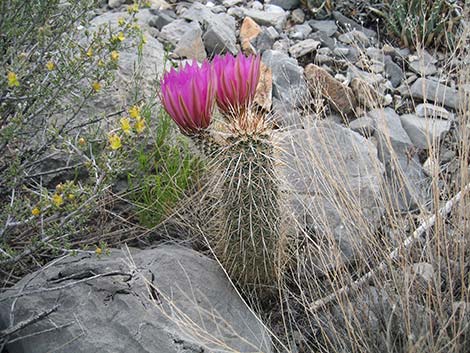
point(249, 243)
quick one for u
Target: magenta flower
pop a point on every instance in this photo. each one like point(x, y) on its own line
point(237, 78)
point(188, 95)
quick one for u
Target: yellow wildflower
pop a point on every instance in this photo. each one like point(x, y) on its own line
point(98, 250)
point(81, 141)
point(50, 65)
point(57, 200)
point(133, 9)
point(121, 21)
point(115, 141)
point(101, 63)
point(89, 52)
point(12, 79)
point(126, 125)
point(136, 26)
point(121, 36)
point(96, 86)
point(134, 112)
point(140, 125)
point(114, 55)
point(36, 211)
point(71, 197)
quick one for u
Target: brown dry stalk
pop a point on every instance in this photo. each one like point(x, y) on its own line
point(424, 226)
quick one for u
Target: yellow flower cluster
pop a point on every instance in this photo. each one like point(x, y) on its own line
point(12, 79)
point(96, 86)
point(115, 141)
point(114, 55)
point(135, 121)
point(50, 65)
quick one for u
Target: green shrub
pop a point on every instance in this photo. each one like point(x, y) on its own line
point(423, 22)
point(164, 170)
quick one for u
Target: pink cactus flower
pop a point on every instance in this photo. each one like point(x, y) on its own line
point(188, 95)
point(237, 78)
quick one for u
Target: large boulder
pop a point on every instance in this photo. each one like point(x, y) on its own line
point(333, 178)
point(164, 300)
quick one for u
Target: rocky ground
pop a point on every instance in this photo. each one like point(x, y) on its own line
point(339, 94)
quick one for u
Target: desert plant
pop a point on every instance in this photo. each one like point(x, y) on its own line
point(423, 22)
point(164, 170)
point(242, 153)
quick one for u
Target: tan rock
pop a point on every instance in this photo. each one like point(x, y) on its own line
point(249, 31)
point(321, 82)
point(264, 90)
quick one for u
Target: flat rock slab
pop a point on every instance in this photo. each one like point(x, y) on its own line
point(436, 92)
point(424, 132)
point(176, 300)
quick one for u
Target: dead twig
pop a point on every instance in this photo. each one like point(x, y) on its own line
point(68, 285)
point(22, 324)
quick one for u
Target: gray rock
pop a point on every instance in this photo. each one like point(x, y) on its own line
point(423, 64)
point(286, 4)
point(298, 16)
point(288, 83)
point(198, 12)
point(161, 19)
point(375, 53)
point(282, 45)
point(300, 32)
point(328, 27)
point(304, 47)
point(230, 3)
point(325, 40)
point(236, 12)
point(428, 110)
point(174, 31)
point(349, 25)
point(436, 92)
point(341, 51)
point(176, 300)
point(115, 3)
point(405, 176)
point(285, 117)
point(364, 126)
point(424, 132)
point(220, 38)
point(190, 45)
point(321, 59)
point(424, 270)
point(394, 72)
point(256, 5)
point(112, 18)
point(354, 37)
point(264, 18)
point(318, 165)
point(265, 40)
